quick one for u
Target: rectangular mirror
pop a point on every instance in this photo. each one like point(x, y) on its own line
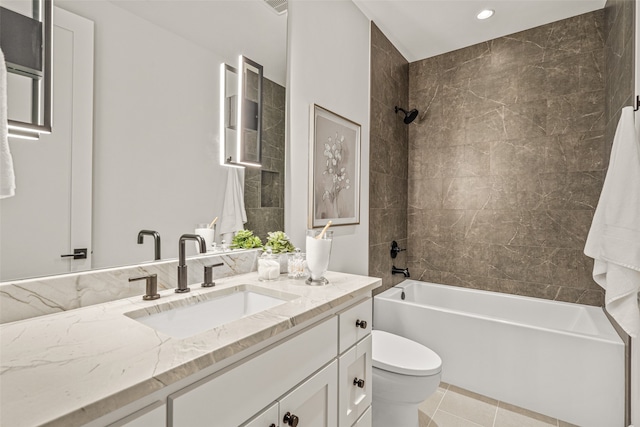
point(241, 113)
point(155, 126)
point(25, 38)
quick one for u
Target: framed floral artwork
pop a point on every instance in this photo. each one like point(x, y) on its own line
point(334, 168)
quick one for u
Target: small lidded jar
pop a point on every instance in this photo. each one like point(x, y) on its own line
point(268, 266)
point(297, 265)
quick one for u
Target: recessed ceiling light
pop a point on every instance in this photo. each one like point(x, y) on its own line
point(485, 14)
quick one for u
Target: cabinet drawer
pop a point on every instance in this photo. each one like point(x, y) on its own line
point(153, 415)
point(354, 382)
point(352, 321)
point(252, 385)
point(314, 401)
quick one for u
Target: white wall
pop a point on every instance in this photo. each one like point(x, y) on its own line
point(328, 59)
point(156, 161)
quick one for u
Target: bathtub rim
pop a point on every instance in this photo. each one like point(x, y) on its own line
point(609, 336)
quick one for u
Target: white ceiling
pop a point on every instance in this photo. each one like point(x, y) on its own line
point(418, 28)
point(423, 28)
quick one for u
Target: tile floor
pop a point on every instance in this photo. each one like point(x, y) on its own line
point(451, 406)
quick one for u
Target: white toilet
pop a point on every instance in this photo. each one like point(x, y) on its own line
point(405, 373)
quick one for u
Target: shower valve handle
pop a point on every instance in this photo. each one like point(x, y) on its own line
point(361, 324)
point(395, 249)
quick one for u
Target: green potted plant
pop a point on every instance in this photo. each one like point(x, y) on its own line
point(244, 239)
point(279, 243)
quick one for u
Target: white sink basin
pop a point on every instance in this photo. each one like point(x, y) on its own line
point(191, 316)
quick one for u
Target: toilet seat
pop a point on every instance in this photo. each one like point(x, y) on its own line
point(400, 355)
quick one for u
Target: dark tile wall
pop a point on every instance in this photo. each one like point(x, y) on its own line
point(506, 161)
point(264, 188)
point(619, 53)
point(389, 139)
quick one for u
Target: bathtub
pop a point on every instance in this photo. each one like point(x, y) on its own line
point(558, 359)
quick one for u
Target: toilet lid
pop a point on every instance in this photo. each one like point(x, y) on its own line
point(397, 354)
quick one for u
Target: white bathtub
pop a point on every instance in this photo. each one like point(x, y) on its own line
point(558, 359)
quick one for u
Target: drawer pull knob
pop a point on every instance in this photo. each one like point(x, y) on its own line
point(272, 425)
point(359, 383)
point(361, 324)
point(290, 419)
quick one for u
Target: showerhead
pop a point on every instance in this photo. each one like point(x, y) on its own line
point(409, 116)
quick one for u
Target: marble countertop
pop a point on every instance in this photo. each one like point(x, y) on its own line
point(73, 367)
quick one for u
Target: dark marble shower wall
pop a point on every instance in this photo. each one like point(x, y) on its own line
point(388, 158)
point(264, 188)
point(506, 162)
point(619, 53)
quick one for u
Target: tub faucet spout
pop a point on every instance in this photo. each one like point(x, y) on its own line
point(403, 271)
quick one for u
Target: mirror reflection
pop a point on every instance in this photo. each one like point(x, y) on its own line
point(25, 38)
point(250, 118)
point(153, 150)
point(242, 125)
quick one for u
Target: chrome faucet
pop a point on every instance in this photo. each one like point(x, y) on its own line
point(156, 241)
point(182, 263)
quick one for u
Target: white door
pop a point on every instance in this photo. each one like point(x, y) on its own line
point(314, 403)
point(50, 215)
point(354, 382)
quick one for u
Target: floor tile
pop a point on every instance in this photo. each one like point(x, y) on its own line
point(470, 406)
point(445, 419)
point(432, 402)
point(423, 419)
point(513, 416)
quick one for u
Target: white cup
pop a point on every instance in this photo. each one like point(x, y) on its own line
point(208, 234)
point(318, 253)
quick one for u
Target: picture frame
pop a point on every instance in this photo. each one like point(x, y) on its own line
point(334, 169)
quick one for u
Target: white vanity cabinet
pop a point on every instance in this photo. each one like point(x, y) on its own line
point(317, 377)
point(312, 403)
point(236, 394)
point(355, 375)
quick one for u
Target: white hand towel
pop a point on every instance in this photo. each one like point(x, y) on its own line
point(234, 214)
point(614, 238)
point(7, 176)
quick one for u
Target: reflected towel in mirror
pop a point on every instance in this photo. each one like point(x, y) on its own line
point(234, 215)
